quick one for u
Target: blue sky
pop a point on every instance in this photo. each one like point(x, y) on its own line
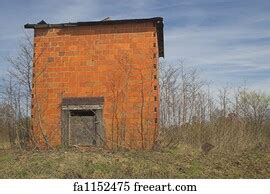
point(228, 40)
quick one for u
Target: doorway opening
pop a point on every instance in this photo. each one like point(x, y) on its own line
point(82, 121)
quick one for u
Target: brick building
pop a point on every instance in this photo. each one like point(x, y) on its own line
point(96, 83)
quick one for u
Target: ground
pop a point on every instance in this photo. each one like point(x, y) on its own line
point(182, 162)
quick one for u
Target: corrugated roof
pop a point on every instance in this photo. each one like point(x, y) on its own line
point(157, 20)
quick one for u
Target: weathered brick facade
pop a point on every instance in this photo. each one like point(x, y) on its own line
point(114, 60)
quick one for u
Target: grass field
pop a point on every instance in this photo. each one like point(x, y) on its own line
point(183, 162)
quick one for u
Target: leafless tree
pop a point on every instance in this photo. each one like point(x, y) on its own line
point(16, 92)
point(192, 114)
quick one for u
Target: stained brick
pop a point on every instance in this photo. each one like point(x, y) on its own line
point(50, 59)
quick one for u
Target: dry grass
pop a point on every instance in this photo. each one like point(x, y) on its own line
point(224, 136)
point(182, 162)
point(4, 139)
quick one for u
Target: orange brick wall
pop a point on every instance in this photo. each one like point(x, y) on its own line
point(116, 61)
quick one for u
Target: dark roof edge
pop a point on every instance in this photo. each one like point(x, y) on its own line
point(157, 20)
point(103, 22)
point(160, 38)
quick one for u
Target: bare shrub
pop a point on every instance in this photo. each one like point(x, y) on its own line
point(190, 115)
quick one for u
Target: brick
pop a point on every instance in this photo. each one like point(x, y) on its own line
point(90, 61)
